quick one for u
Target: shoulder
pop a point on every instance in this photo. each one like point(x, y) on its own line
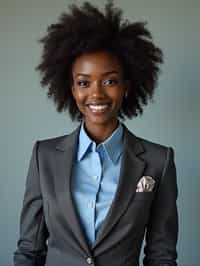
point(146, 145)
point(52, 141)
point(153, 153)
point(158, 158)
point(155, 148)
point(59, 142)
point(158, 152)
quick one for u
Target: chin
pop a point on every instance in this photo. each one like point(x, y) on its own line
point(101, 121)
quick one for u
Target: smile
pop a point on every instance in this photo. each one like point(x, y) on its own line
point(98, 108)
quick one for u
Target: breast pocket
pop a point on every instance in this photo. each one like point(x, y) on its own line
point(146, 196)
point(139, 209)
point(143, 201)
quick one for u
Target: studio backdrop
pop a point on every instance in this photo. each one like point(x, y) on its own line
point(173, 119)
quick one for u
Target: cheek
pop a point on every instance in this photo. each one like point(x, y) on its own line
point(116, 93)
point(118, 97)
point(79, 96)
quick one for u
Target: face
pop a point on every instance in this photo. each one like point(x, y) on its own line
point(98, 88)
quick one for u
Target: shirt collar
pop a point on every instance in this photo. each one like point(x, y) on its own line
point(113, 145)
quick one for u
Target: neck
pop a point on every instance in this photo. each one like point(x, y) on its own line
point(100, 133)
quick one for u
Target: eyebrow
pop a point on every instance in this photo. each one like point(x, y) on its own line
point(104, 74)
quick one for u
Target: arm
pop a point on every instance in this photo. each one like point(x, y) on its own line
point(31, 246)
point(162, 228)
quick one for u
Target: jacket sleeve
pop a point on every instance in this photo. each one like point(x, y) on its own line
point(162, 229)
point(32, 246)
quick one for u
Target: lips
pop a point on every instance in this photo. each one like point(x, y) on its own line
point(98, 108)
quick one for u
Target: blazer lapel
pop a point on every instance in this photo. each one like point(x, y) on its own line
point(131, 170)
point(66, 152)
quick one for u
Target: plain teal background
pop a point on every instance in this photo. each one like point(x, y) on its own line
point(172, 119)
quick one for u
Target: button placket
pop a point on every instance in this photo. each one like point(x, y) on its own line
point(91, 204)
point(97, 169)
point(96, 177)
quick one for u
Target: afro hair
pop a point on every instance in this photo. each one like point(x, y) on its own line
point(86, 29)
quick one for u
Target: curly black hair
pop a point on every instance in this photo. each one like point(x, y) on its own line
point(87, 29)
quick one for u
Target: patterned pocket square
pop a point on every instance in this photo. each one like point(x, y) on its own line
point(145, 184)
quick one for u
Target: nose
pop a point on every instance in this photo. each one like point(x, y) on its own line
point(97, 89)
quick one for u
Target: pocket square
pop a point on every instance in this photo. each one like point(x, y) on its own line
point(145, 184)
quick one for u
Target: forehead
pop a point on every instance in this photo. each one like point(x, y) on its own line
point(96, 63)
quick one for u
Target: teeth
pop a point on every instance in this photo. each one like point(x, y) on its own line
point(98, 107)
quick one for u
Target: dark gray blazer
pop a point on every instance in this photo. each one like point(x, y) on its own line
point(50, 231)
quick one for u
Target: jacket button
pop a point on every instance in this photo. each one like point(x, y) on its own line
point(89, 260)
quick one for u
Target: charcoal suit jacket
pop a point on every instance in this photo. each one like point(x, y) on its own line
point(50, 230)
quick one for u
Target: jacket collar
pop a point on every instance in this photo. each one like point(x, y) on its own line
point(130, 140)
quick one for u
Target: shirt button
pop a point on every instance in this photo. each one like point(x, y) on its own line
point(89, 260)
point(96, 177)
point(91, 204)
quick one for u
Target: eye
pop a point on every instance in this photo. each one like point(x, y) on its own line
point(83, 83)
point(110, 82)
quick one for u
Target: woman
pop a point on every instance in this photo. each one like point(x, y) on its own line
point(92, 196)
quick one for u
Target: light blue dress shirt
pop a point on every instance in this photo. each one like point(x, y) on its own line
point(95, 176)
